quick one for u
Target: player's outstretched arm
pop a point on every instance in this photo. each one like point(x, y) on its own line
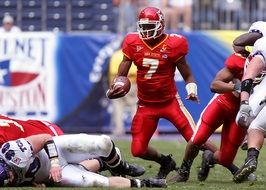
point(220, 83)
point(116, 90)
point(45, 141)
point(38, 141)
point(186, 73)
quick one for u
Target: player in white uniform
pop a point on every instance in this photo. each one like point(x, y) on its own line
point(252, 108)
point(256, 31)
point(37, 158)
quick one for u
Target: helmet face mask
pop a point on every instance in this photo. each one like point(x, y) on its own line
point(150, 24)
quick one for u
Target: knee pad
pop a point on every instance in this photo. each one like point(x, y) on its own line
point(105, 145)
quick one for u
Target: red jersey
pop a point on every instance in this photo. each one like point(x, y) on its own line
point(155, 65)
point(235, 63)
point(12, 129)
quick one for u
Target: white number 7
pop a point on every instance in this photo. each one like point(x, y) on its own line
point(153, 64)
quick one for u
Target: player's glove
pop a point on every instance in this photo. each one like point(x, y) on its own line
point(245, 115)
point(237, 85)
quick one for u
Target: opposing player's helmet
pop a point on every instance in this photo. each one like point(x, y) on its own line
point(150, 23)
point(258, 27)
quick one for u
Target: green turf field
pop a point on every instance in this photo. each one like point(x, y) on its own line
point(219, 177)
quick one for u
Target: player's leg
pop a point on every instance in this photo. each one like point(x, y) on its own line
point(93, 165)
point(79, 147)
point(143, 127)
point(77, 176)
point(256, 133)
point(123, 168)
point(232, 137)
point(121, 182)
point(210, 120)
point(225, 156)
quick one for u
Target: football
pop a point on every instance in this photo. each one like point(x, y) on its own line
point(121, 86)
point(123, 82)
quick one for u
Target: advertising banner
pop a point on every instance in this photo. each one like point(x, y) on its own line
point(27, 75)
point(63, 78)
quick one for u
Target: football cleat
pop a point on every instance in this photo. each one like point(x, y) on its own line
point(205, 165)
point(125, 168)
point(167, 165)
point(182, 175)
point(249, 167)
point(153, 183)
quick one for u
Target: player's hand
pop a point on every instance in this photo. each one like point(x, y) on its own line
point(55, 170)
point(245, 115)
point(193, 97)
point(55, 173)
point(237, 85)
point(115, 91)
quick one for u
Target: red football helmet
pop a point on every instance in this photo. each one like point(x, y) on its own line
point(150, 24)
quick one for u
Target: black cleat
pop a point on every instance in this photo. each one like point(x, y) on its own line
point(167, 165)
point(249, 167)
point(205, 165)
point(127, 169)
point(153, 183)
point(182, 175)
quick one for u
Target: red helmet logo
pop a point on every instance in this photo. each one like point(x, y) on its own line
point(150, 23)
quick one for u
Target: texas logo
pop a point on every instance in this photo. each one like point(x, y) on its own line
point(24, 76)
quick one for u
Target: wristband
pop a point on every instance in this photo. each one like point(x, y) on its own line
point(246, 85)
point(191, 88)
point(50, 149)
point(54, 162)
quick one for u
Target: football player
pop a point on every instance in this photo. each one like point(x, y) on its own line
point(40, 158)
point(252, 111)
point(12, 129)
point(227, 86)
point(157, 55)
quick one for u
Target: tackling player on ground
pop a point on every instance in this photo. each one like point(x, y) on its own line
point(12, 129)
point(40, 158)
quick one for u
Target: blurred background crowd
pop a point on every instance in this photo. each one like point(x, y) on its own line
point(120, 15)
